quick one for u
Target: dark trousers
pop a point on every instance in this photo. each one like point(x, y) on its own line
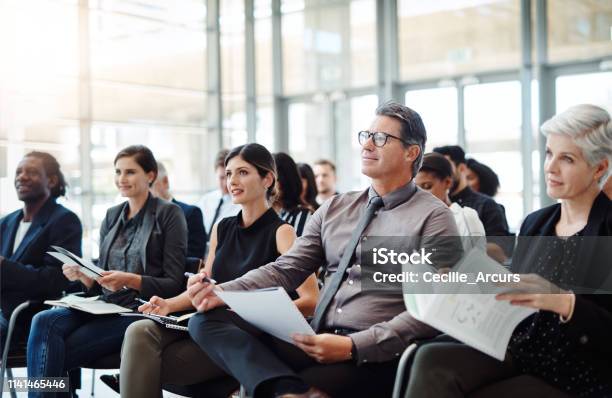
point(254, 357)
point(454, 370)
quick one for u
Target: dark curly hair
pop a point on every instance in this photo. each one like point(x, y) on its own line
point(52, 168)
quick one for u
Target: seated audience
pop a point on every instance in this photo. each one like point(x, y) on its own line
point(481, 178)
point(26, 235)
point(196, 235)
point(217, 204)
point(142, 250)
point(435, 176)
point(325, 177)
point(360, 334)
point(287, 202)
point(153, 355)
point(490, 213)
point(309, 187)
point(565, 347)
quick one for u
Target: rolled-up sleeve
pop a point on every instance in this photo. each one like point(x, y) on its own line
point(387, 340)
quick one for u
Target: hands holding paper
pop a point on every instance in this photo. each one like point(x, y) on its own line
point(111, 280)
point(72, 272)
point(533, 291)
point(202, 293)
point(326, 347)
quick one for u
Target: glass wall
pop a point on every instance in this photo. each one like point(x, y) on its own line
point(579, 29)
point(442, 38)
point(83, 78)
point(328, 45)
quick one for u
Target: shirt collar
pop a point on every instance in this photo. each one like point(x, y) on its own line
point(395, 198)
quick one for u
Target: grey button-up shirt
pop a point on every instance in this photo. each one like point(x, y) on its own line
point(384, 326)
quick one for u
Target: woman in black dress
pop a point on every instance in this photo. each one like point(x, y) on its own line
point(153, 355)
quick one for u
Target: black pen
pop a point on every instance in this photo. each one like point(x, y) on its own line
point(206, 279)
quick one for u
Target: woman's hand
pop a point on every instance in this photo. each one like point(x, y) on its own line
point(115, 280)
point(533, 291)
point(72, 272)
point(157, 306)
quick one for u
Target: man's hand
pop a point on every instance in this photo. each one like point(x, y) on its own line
point(202, 294)
point(326, 347)
point(115, 280)
point(533, 291)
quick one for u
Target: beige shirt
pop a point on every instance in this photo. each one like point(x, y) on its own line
point(385, 327)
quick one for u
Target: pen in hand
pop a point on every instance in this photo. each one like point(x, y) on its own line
point(141, 301)
point(205, 279)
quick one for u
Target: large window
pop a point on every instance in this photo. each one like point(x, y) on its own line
point(441, 38)
point(493, 131)
point(590, 88)
point(328, 45)
point(39, 108)
point(579, 29)
point(438, 109)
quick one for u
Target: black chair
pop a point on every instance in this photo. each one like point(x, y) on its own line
point(15, 358)
point(524, 386)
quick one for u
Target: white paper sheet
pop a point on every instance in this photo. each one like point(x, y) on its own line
point(270, 310)
point(66, 257)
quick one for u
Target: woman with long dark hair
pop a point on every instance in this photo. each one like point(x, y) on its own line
point(309, 186)
point(153, 355)
point(288, 203)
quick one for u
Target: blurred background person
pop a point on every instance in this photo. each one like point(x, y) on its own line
point(436, 176)
point(490, 213)
point(196, 234)
point(309, 187)
point(26, 235)
point(325, 177)
point(287, 201)
point(217, 204)
point(481, 178)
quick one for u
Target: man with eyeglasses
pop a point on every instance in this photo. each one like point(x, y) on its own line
point(360, 334)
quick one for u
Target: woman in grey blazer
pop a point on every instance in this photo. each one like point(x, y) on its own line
point(142, 250)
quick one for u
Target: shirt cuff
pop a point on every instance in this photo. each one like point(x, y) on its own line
point(572, 306)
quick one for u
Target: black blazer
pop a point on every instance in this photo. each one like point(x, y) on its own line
point(163, 250)
point(30, 273)
point(589, 328)
point(196, 234)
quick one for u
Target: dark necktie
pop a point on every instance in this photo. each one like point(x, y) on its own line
point(333, 285)
point(217, 212)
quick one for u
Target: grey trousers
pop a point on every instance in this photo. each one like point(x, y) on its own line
point(454, 370)
point(153, 355)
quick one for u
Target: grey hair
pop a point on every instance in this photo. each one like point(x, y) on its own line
point(161, 170)
point(412, 131)
point(591, 129)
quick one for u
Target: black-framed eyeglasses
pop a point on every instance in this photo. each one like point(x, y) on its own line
point(378, 138)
